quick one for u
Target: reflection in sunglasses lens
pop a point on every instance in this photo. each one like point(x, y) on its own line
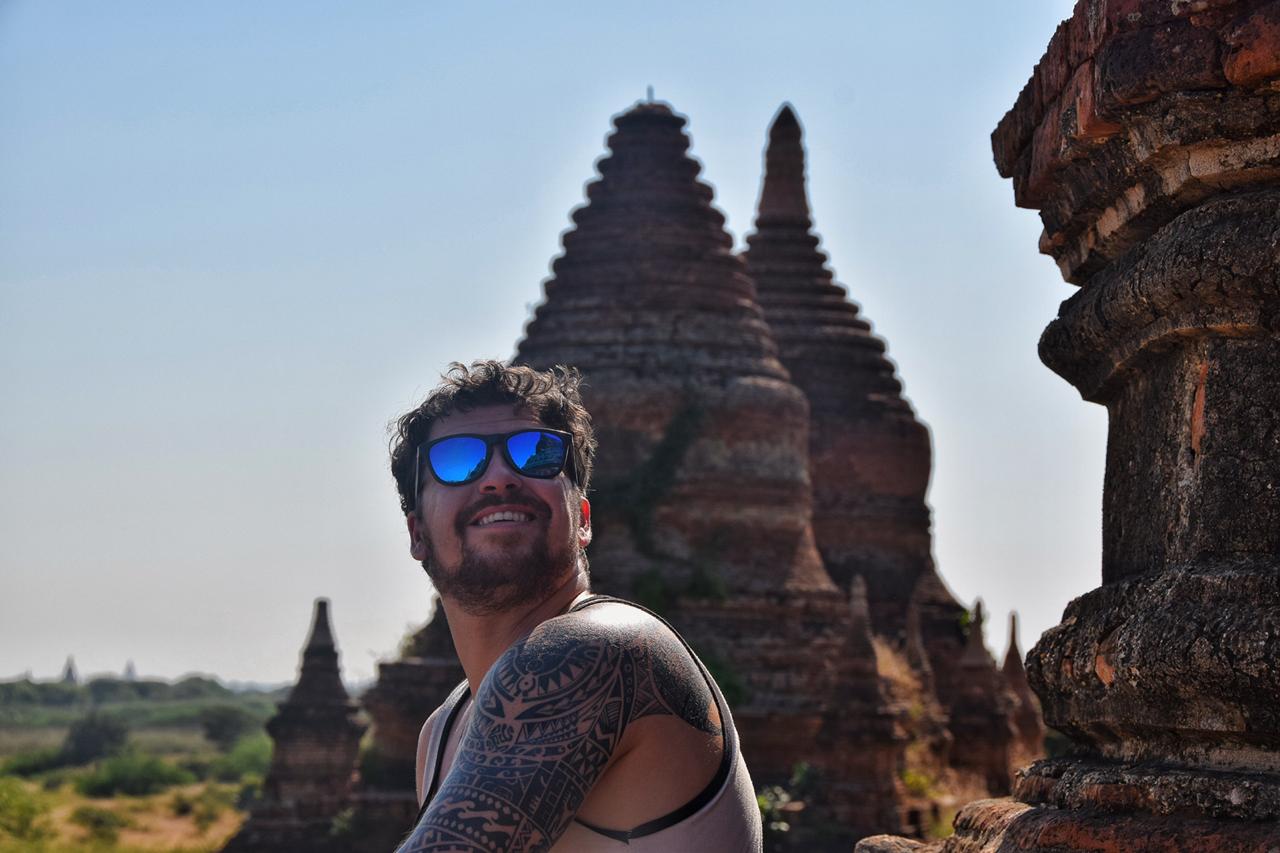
point(459, 459)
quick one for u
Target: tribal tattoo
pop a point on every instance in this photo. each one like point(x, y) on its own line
point(547, 719)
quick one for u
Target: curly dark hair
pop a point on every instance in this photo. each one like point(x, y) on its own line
point(551, 396)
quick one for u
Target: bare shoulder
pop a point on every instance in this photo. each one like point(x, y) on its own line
point(613, 642)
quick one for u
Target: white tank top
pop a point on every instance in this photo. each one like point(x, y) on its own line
point(723, 818)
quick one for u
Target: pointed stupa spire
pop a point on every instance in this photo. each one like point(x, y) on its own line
point(319, 680)
point(975, 650)
point(870, 457)
point(783, 199)
point(69, 674)
point(1013, 668)
point(321, 636)
point(1028, 719)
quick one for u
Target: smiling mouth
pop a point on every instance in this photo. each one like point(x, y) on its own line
point(503, 517)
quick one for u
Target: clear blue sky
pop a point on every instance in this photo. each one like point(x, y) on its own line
point(237, 238)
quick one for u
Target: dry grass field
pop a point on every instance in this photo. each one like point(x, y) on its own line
point(195, 818)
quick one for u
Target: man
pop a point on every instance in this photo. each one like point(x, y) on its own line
point(585, 723)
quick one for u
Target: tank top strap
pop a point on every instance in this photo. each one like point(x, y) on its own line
point(438, 741)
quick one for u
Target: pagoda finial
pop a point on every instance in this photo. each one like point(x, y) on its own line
point(784, 195)
point(69, 675)
point(1013, 649)
point(975, 651)
point(1013, 668)
point(319, 680)
point(321, 636)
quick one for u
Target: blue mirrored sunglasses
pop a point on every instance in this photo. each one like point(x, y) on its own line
point(456, 460)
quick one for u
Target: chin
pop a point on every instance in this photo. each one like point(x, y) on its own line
point(484, 582)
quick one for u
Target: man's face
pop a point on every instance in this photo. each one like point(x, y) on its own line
point(489, 565)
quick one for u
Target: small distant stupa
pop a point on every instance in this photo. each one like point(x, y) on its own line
point(69, 674)
point(1028, 721)
point(130, 672)
point(316, 737)
point(981, 713)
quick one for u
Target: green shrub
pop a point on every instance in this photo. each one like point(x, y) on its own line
point(212, 802)
point(103, 690)
point(251, 754)
point(29, 764)
point(132, 774)
point(249, 792)
point(23, 813)
point(917, 783)
point(181, 804)
point(102, 825)
point(199, 687)
point(200, 765)
point(21, 692)
point(93, 736)
point(225, 724)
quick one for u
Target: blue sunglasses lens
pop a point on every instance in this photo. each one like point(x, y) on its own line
point(457, 460)
point(537, 454)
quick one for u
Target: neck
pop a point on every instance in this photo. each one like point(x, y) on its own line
point(481, 638)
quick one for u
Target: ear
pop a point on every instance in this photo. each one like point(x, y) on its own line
point(584, 524)
point(417, 537)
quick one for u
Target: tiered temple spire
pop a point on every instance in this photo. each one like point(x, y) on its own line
point(1027, 718)
point(870, 457)
point(316, 737)
point(981, 713)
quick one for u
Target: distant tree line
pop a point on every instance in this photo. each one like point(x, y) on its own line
point(101, 691)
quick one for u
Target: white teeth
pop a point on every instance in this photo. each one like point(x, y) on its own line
point(507, 515)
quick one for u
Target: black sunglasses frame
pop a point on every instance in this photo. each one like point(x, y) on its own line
point(422, 458)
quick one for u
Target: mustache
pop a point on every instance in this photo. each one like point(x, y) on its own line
point(537, 507)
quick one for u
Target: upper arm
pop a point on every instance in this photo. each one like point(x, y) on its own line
point(547, 722)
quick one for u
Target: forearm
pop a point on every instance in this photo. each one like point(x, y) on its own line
point(464, 819)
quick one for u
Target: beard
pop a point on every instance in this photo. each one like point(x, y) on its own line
point(495, 580)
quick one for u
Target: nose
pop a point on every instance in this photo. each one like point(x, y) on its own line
point(498, 477)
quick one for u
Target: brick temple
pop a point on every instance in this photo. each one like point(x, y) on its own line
point(316, 736)
point(761, 483)
point(1148, 139)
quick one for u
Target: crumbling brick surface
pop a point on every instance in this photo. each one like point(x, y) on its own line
point(1166, 676)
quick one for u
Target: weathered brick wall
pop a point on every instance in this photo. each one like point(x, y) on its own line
point(1149, 140)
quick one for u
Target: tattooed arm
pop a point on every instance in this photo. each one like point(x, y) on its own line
point(547, 723)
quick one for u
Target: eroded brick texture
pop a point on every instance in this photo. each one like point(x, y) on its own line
point(1149, 140)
